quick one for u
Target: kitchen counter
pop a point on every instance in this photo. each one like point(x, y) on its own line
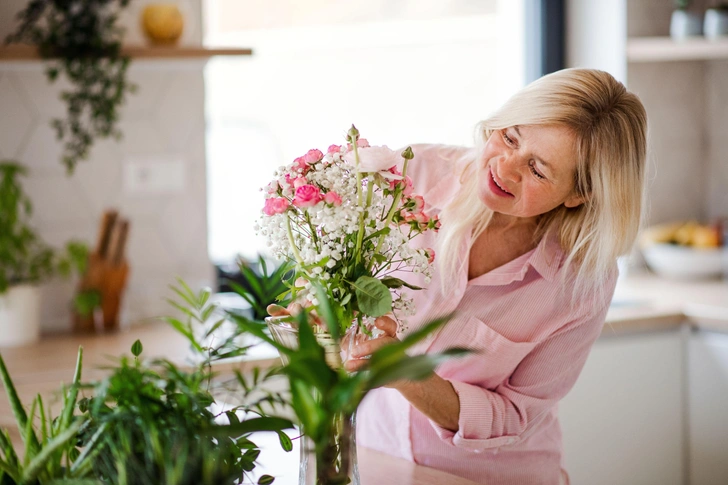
point(645, 302)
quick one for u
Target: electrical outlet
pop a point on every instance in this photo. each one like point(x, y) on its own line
point(154, 175)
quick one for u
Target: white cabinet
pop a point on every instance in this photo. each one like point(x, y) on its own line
point(708, 408)
point(622, 422)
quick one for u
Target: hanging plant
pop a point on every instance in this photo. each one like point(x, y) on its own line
point(81, 39)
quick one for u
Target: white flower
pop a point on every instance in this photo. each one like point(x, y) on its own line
point(376, 159)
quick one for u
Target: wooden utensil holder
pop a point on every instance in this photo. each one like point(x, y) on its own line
point(109, 279)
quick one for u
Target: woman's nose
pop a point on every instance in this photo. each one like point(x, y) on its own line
point(511, 167)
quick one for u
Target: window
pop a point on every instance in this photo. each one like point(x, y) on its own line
point(404, 72)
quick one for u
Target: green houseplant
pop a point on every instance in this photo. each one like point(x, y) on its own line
point(25, 260)
point(324, 398)
point(83, 41)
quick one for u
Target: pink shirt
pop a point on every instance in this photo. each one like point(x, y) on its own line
point(532, 346)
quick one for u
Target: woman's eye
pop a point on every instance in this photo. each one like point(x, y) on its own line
point(534, 171)
point(508, 139)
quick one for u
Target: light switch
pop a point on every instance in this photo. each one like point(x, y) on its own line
point(153, 175)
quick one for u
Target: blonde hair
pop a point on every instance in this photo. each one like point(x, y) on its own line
point(610, 127)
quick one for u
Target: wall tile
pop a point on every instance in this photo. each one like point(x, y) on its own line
point(17, 117)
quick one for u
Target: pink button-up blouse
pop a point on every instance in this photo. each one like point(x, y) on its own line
point(531, 344)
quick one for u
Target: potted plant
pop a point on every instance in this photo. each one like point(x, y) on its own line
point(715, 23)
point(684, 23)
point(82, 40)
point(25, 261)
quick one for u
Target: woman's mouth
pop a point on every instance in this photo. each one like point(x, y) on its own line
point(497, 189)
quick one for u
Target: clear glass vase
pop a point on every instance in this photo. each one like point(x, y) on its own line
point(333, 462)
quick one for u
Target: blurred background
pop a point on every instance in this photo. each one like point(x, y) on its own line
point(206, 129)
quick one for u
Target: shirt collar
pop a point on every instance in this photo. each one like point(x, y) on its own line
point(545, 259)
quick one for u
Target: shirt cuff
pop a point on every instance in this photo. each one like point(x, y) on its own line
point(475, 422)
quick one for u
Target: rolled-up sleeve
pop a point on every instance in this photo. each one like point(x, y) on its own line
point(491, 418)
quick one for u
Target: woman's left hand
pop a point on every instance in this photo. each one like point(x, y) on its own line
point(357, 360)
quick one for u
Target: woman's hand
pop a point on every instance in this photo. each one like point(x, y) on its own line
point(357, 360)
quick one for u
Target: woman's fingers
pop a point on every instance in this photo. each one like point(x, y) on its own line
point(370, 346)
point(387, 324)
point(353, 365)
point(276, 311)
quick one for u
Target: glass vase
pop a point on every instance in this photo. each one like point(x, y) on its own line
point(333, 461)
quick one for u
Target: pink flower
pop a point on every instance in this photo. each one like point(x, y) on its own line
point(419, 202)
point(430, 255)
point(376, 159)
point(408, 186)
point(275, 205)
point(332, 198)
point(307, 196)
point(434, 223)
point(301, 164)
point(313, 156)
point(272, 187)
point(334, 149)
point(299, 182)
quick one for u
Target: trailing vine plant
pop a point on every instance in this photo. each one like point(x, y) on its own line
point(81, 39)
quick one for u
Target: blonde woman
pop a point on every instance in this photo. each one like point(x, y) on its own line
point(533, 219)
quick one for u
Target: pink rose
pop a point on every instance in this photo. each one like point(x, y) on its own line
point(376, 159)
point(419, 203)
point(275, 205)
point(299, 182)
point(313, 156)
point(408, 186)
point(307, 196)
point(430, 255)
point(334, 149)
point(332, 198)
point(434, 223)
point(300, 163)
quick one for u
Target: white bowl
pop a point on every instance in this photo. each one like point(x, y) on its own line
point(685, 263)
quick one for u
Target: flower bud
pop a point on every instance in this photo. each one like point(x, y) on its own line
point(353, 134)
point(407, 154)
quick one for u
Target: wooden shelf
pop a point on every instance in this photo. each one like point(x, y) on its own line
point(659, 49)
point(30, 53)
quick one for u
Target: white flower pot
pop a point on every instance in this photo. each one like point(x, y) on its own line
point(715, 23)
point(685, 24)
point(19, 316)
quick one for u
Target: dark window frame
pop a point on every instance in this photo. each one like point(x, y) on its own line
point(545, 37)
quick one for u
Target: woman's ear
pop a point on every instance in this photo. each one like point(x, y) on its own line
point(574, 201)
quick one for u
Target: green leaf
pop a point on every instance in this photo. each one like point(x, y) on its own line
point(373, 298)
point(326, 312)
point(38, 462)
point(265, 480)
point(17, 407)
point(137, 348)
point(392, 282)
point(413, 368)
point(286, 442)
point(252, 425)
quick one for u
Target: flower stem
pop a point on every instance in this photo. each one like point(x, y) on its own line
point(392, 210)
point(359, 201)
point(293, 242)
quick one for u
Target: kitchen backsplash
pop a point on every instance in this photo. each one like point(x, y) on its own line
point(164, 120)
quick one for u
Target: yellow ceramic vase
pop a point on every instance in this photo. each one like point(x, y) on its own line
point(162, 22)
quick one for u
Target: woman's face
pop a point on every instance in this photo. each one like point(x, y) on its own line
point(528, 170)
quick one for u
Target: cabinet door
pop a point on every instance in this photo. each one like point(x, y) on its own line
point(622, 422)
point(708, 408)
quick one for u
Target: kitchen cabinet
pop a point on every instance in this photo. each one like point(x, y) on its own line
point(622, 422)
point(708, 408)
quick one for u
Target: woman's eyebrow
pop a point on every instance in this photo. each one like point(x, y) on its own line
point(540, 159)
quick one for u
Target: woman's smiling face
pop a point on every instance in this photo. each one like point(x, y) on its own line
point(528, 170)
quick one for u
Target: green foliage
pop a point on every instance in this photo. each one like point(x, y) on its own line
point(46, 455)
point(261, 290)
point(682, 4)
point(24, 257)
point(84, 41)
point(320, 393)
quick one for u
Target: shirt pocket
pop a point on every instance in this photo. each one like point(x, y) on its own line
point(494, 357)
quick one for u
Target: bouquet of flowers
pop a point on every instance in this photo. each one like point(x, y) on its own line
point(346, 218)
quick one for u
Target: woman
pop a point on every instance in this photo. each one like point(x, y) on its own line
point(533, 220)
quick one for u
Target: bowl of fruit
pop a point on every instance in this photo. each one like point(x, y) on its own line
point(684, 250)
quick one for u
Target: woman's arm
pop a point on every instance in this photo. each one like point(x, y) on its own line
point(434, 397)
